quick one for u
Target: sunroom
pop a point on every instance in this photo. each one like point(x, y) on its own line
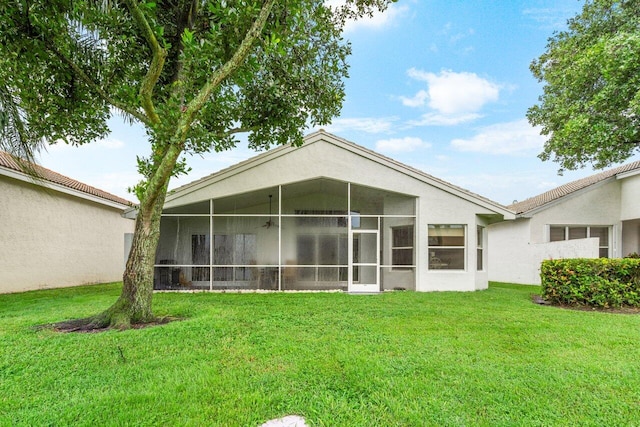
point(315, 234)
point(328, 215)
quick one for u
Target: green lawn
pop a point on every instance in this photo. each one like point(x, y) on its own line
point(396, 359)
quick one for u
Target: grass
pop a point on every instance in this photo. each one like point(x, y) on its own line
point(396, 359)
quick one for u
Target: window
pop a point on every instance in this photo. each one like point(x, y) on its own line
point(446, 247)
point(560, 233)
point(402, 247)
point(479, 247)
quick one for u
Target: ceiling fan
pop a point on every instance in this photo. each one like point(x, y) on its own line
point(270, 223)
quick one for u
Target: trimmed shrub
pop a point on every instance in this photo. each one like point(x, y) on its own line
point(600, 282)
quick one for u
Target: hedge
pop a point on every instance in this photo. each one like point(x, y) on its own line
point(600, 282)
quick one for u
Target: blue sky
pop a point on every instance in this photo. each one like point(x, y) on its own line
point(441, 85)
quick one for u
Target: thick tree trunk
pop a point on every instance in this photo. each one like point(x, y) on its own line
point(134, 304)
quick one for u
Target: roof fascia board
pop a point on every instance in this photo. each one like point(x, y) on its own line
point(61, 188)
point(530, 213)
point(628, 174)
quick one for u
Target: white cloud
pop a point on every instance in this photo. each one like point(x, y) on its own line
point(452, 93)
point(512, 138)
point(377, 21)
point(396, 145)
point(434, 119)
point(418, 99)
point(362, 124)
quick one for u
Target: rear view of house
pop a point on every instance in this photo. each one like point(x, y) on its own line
point(327, 215)
point(56, 231)
point(597, 216)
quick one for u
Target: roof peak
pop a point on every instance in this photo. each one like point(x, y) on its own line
point(328, 137)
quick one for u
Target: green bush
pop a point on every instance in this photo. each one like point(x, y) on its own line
point(601, 282)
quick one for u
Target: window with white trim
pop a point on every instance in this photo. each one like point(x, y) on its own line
point(446, 246)
point(480, 247)
point(402, 247)
point(558, 233)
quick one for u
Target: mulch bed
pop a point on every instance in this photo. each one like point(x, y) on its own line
point(537, 299)
point(74, 326)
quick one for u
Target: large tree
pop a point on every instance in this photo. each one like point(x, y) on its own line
point(590, 107)
point(194, 73)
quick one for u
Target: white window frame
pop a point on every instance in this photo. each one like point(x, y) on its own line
point(480, 264)
point(463, 247)
point(401, 267)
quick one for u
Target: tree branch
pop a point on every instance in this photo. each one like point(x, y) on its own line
point(93, 85)
point(160, 178)
point(157, 61)
point(227, 68)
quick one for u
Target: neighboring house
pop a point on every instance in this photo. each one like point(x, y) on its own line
point(597, 216)
point(327, 215)
point(56, 232)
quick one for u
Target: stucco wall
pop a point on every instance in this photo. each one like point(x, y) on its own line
point(513, 259)
point(629, 191)
point(598, 206)
point(312, 160)
point(518, 247)
point(49, 239)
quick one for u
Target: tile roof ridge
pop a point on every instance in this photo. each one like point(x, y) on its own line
point(9, 161)
point(568, 188)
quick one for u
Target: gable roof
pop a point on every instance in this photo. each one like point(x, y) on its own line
point(322, 135)
point(10, 165)
point(551, 196)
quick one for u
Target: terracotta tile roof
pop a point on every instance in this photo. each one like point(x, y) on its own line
point(10, 162)
point(571, 187)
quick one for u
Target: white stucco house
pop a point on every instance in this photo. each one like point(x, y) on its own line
point(597, 216)
point(327, 215)
point(56, 231)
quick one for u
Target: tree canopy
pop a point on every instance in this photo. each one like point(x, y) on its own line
point(195, 73)
point(590, 107)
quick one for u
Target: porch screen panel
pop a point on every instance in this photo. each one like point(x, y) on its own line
point(556, 234)
point(314, 251)
point(176, 234)
point(315, 197)
point(245, 251)
point(602, 233)
point(374, 201)
point(193, 208)
point(200, 255)
point(184, 248)
point(577, 233)
point(264, 201)
point(250, 241)
point(559, 233)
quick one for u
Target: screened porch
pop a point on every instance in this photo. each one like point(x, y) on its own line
point(313, 235)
